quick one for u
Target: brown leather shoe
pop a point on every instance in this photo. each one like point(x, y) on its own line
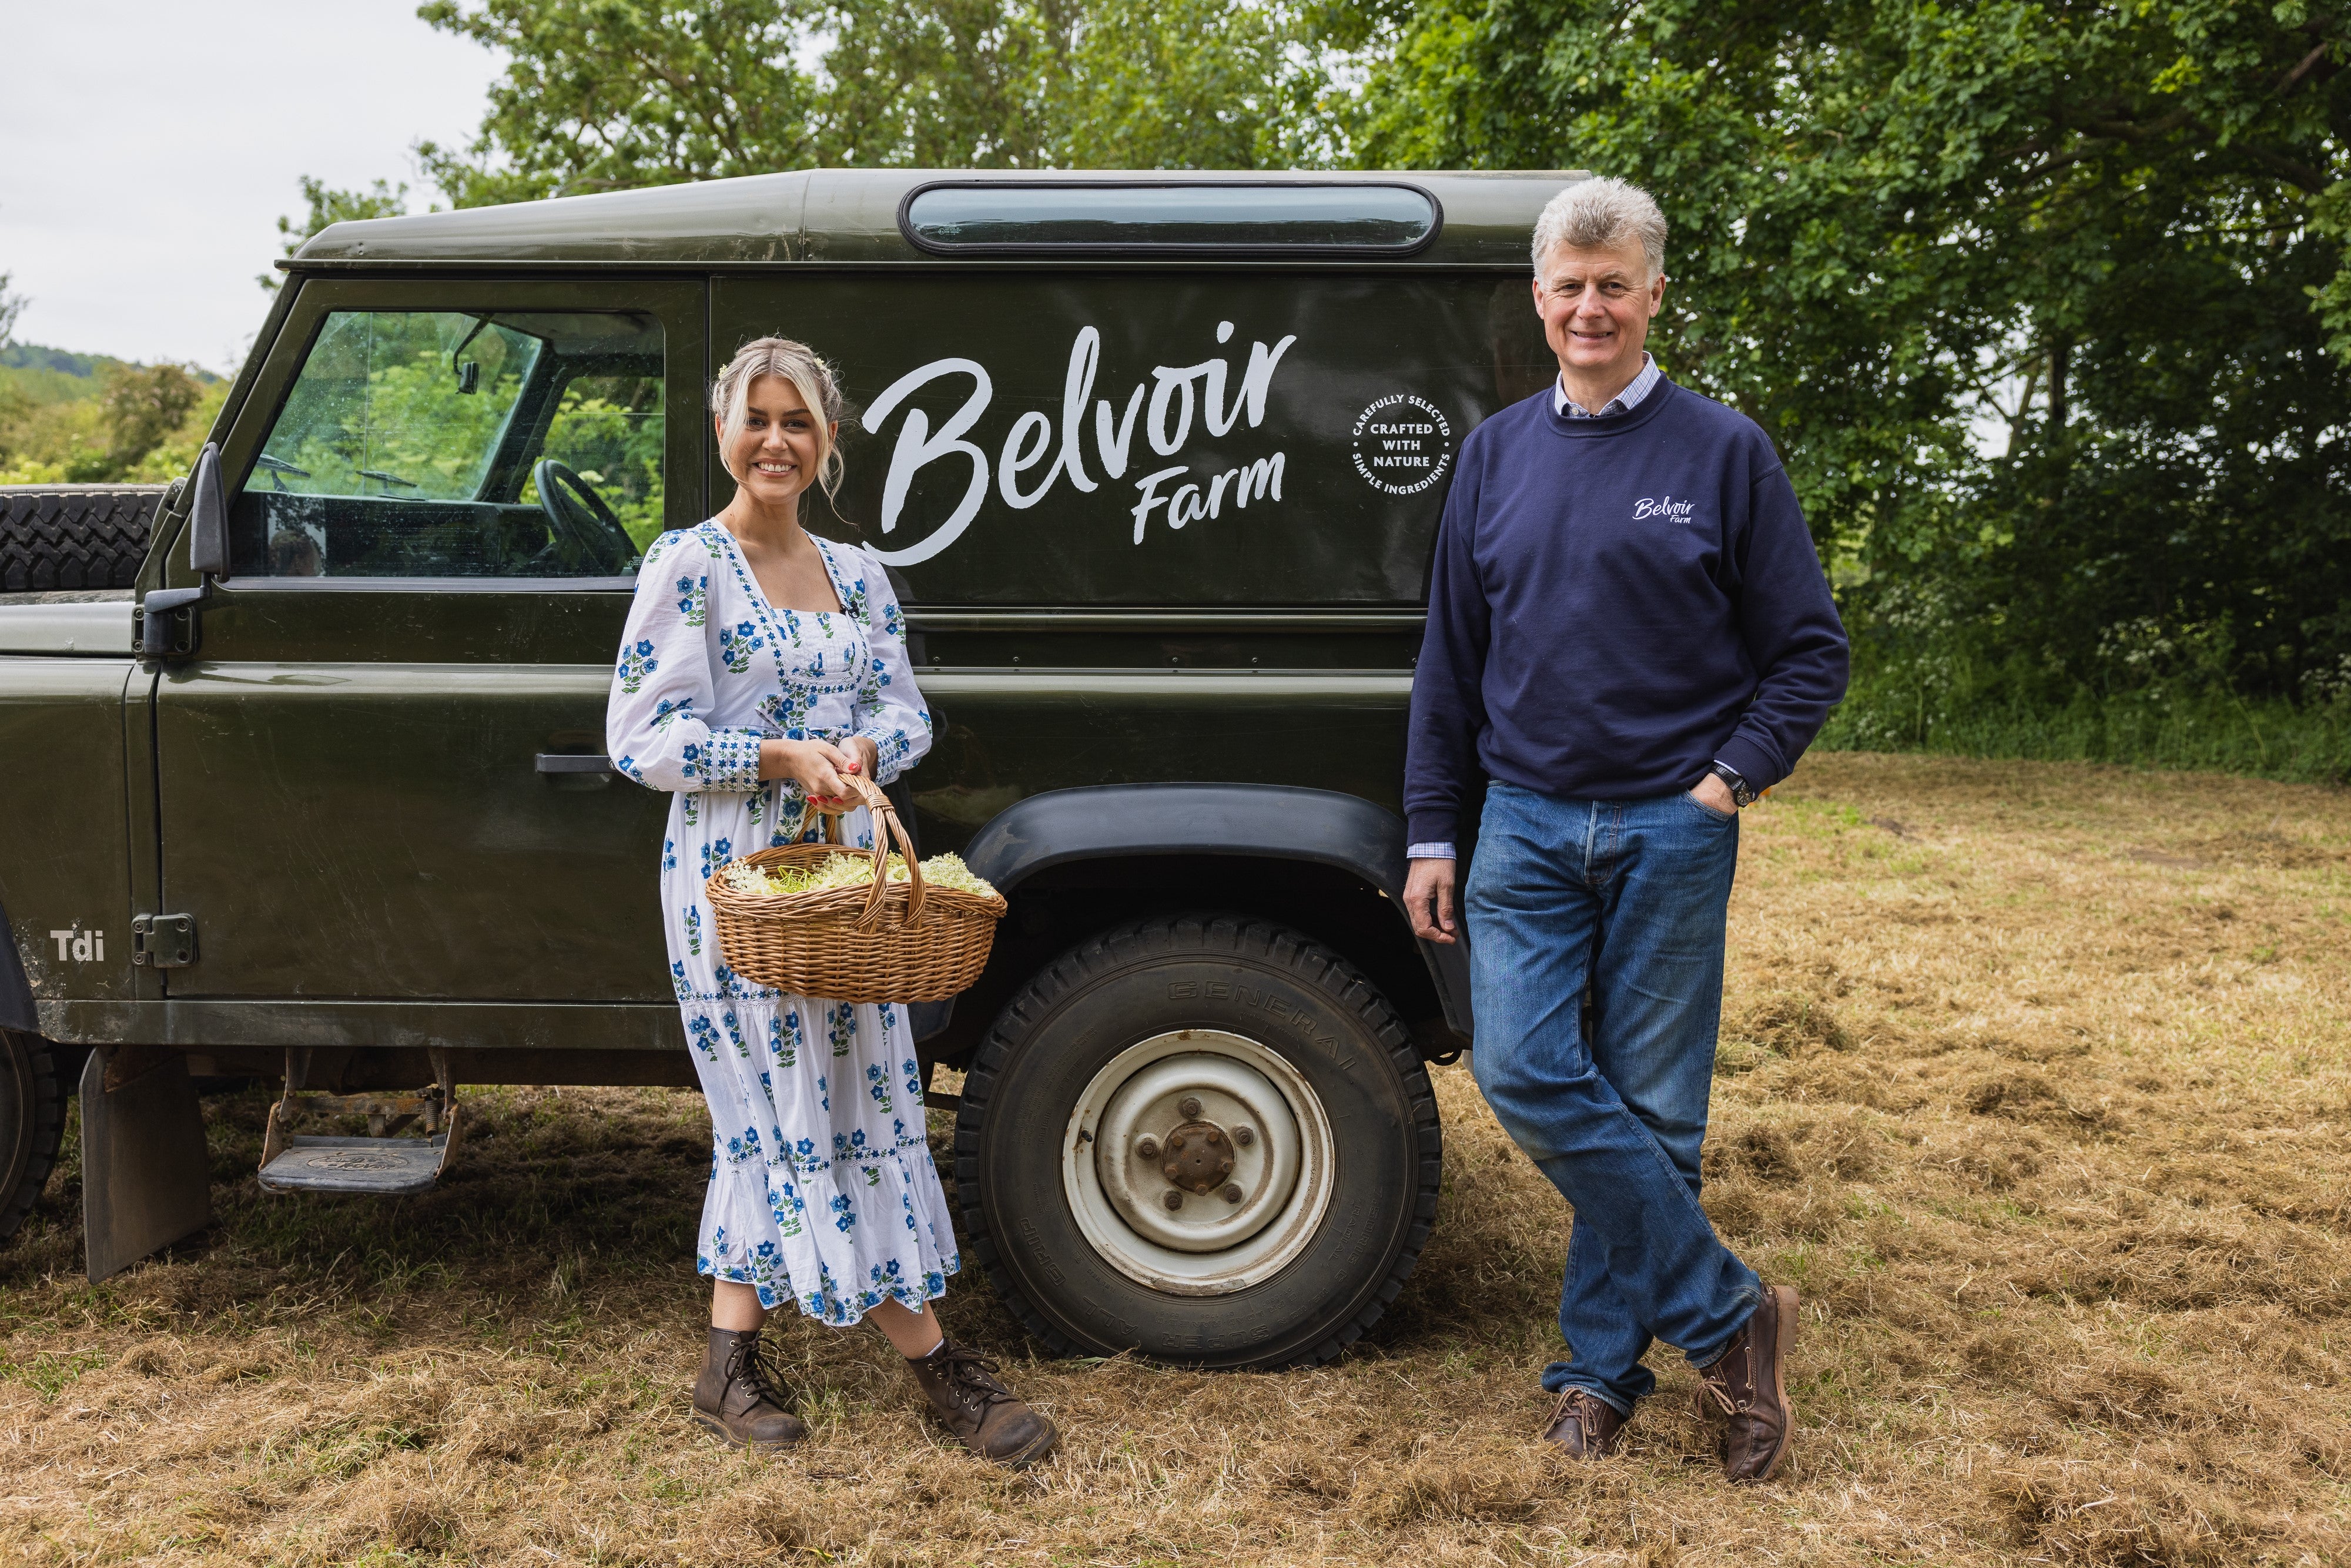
point(985, 1415)
point(1584, 1425)
point(1750, 1386)
point(740, 1398)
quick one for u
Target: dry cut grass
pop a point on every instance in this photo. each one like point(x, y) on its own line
point(2035, 1081)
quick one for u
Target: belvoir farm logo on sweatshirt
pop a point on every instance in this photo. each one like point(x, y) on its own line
point(1664, 508)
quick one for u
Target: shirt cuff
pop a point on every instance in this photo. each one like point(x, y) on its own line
point(1428, 851)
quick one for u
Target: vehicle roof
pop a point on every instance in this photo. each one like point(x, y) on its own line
point(851, 215)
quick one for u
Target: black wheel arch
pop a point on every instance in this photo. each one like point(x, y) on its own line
point(16, 1009)
point(1322, 862)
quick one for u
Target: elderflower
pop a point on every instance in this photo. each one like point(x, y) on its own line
point(849, 871)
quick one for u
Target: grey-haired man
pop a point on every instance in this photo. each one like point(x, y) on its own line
point(1629, 635)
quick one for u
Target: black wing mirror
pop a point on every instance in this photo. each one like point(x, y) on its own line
point(167, 619)
point(208, 517)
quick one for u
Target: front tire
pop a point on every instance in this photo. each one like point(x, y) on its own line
point(1207, 1139)
point(32, 1121)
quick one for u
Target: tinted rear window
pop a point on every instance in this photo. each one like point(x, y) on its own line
point(995, 216)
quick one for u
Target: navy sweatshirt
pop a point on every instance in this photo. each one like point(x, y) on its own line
point(1616, 604)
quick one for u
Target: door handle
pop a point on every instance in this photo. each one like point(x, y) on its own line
point(569, 762)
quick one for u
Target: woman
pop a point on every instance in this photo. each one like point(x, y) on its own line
point(760, 665)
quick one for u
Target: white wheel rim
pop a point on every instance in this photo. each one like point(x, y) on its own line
point(1213, 1243)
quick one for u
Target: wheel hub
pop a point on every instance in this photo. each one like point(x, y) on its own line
point(1199, 1157)
point(1199, 1161)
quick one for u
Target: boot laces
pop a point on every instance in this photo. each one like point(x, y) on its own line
point(1580, 1404)
point(971, 1376)
point(759, 1366)
point(1715, 1381)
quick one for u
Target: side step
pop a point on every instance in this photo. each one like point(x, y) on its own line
point(385, 1167)
point(385, 1163)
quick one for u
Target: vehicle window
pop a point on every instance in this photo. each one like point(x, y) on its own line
point(452, 444)
point(999, 216)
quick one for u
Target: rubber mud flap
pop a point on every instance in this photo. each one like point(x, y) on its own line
point(1238, 977)
point(63, 537)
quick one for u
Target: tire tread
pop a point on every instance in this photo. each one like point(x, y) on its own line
point(46, 1116)
point(1330, 975)
point(66, 539)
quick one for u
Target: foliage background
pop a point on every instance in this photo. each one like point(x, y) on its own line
point(2045, 302)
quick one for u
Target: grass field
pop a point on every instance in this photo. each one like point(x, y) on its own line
point(2036, 1081)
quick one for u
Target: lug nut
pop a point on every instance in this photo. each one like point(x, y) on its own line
point(1171, 1170)
point(1232, 1193)
point(1148, 1148)
point(1177, 1142)
point(1175, 1199)
point(1190, 1106)
point(1245, 1136)
point(1214, 1136)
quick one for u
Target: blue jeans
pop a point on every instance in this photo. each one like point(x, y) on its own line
point(1628, 896)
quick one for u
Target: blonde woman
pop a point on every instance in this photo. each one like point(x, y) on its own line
point(760, 665)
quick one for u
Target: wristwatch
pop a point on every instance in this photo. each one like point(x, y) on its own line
point(1742, 794)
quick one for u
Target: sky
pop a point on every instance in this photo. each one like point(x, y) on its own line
point(148, 147)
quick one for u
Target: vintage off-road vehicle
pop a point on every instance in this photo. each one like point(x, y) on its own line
point(1156, 462)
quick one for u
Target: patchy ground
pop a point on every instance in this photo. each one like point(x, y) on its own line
point(2036, 1081)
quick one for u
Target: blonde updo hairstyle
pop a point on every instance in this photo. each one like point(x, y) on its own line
point(798, 363)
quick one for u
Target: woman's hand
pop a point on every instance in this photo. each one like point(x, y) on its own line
point(816, 765)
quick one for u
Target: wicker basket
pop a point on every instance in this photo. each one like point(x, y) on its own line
point(885, 942)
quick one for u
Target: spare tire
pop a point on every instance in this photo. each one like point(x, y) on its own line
point(56, 537)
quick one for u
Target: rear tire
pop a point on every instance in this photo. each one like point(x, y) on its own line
point(1331, 1151)
point(32, 1121)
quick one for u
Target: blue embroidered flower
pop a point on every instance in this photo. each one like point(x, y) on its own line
point(844, 1216)
point(637, 662)
point(716, 853)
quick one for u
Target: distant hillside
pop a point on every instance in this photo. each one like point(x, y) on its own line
point(33, 357)
point(56, 426)
point(43, 376)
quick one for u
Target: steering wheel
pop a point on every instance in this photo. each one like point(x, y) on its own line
point(585, 529)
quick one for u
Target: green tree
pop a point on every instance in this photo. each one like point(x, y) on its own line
point(2025, 290)
point(140, 406)
point(11, 307)
point(620, 93)
point(329, 205)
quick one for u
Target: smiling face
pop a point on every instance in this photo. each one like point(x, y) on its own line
point(774, 455)
point(1595, 306)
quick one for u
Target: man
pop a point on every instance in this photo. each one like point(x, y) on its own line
point(1630, 636)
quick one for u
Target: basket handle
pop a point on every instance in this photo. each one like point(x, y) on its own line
point(863, 792)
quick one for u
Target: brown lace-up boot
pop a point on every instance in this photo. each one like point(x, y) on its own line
point(739, 1395)
point(1584, 1425)
point(1750, 1386)
point(984, 1415)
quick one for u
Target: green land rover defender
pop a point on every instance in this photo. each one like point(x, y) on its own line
point(310, 783)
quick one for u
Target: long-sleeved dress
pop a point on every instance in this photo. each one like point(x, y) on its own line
point(821, 1184)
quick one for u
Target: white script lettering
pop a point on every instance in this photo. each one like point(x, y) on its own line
point(1023, 476)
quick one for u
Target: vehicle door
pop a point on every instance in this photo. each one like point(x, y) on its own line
point(379, 782)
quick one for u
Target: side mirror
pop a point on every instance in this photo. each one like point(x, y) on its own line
point(208, 519)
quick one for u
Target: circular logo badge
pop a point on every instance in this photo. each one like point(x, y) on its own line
point(1403, 444)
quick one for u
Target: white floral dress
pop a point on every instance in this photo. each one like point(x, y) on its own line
point(821, 1184)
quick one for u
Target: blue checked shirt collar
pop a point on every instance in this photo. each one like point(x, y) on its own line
point(1623, 403)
